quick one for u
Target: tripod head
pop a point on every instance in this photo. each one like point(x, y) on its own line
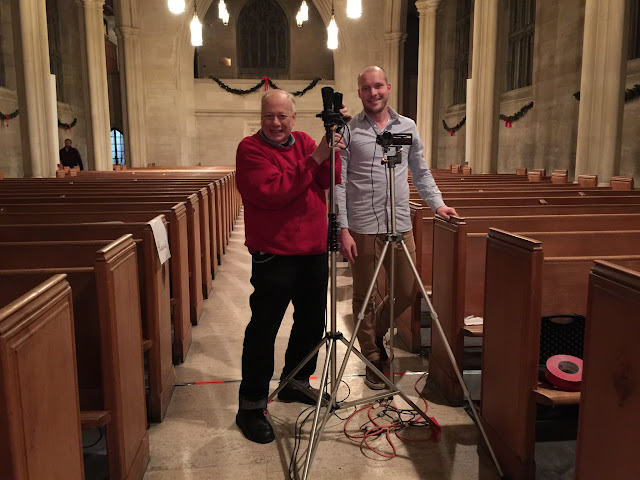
point(387, 140)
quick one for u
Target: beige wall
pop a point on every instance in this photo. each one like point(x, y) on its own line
point(195, 121)
point(191, 121)
point(308, 57)
point(546, 136)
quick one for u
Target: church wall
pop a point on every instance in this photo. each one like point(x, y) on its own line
point(223, 119)
point(69, 107)
point(546, 136)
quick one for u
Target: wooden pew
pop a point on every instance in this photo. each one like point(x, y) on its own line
point(522, 285)
point(39, 409)
point(50, 246)
point(609, 398)
point(424, 215)
point(185, 268)
point(459, 273)
point(199, 260)
point(621, 183)
point(180, 191)
point(108, 337)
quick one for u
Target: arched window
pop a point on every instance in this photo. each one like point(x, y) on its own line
point(464, 12)
point(55, 54)
point(263, 40)
point(117, 147)
point(522, 25)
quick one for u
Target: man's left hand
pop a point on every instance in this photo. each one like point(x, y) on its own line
point(344, 111)
point(446, 212)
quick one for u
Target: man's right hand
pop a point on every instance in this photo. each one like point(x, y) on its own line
point(347, 245)
point(321, 152)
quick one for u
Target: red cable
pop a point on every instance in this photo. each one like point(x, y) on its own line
point(394, 427)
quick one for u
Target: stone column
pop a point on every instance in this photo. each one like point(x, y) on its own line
point(94, 76)
point(485, 99)
point(394, 38)
point(132, 91)
point(427, 10)
point(31, 47)
point(604, 67)
point(394, 65)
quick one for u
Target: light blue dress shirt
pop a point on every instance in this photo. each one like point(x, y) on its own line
point(362, 199)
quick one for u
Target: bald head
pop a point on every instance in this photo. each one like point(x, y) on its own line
point(275, 95)
point(372, 69)
point(373, 90)
point(278, 115)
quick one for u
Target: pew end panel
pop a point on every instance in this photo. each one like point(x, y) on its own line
point(509, 364)
point(121, 337)
point(610, 395)
point(40, 431)
point(449, 257)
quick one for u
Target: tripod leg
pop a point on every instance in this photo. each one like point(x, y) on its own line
point(434, 320)
point(372, 283)
point(315, 435)
point(297, 369)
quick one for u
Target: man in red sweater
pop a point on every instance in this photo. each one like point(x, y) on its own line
point(282, 177)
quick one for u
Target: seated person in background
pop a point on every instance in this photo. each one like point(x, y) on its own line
point(69, 156)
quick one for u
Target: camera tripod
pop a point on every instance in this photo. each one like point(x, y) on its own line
point(333, 336)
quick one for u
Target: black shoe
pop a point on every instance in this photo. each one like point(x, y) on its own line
point(294, 391)
point(255, 426)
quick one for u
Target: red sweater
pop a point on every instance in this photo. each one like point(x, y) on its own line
point(283, 192)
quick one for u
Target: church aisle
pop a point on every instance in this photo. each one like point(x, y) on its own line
point(198, 438)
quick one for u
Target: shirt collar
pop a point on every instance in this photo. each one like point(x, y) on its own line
point(290, 141)
point(393, 115)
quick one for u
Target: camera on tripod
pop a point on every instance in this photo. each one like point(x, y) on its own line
point(387, 139)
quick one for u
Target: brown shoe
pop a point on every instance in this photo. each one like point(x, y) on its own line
point(372, 380)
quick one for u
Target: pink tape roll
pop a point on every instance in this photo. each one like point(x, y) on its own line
point(564, 372)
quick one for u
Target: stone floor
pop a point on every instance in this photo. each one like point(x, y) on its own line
point(199, 439)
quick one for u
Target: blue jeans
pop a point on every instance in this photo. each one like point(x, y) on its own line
point(278, 280)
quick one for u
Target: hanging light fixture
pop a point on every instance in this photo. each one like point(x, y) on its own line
point(196, 29)
point(303, 14)
point(332, 32)
point(304, 11)
point(176, 6)
point(354, 8)
point(223, 13)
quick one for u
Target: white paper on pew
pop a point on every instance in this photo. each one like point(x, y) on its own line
point(471, 320)
point(162, 241)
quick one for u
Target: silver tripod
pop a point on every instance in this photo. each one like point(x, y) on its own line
point(333, 336)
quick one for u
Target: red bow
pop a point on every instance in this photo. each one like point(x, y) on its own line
point(266, 83)
point(451, 131)
point(507, 123)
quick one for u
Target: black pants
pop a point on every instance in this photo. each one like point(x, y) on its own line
point(278, 280)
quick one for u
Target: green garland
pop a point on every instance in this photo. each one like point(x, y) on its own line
point(629, 94)
point(261, 83)
point(67, 126)
point(507, 119)
point(516, 116)
point(453, 130)
point(10, 116)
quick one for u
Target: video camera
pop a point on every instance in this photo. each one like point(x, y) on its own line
point(387, 139)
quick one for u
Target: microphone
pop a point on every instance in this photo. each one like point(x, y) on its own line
point(327, 99)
